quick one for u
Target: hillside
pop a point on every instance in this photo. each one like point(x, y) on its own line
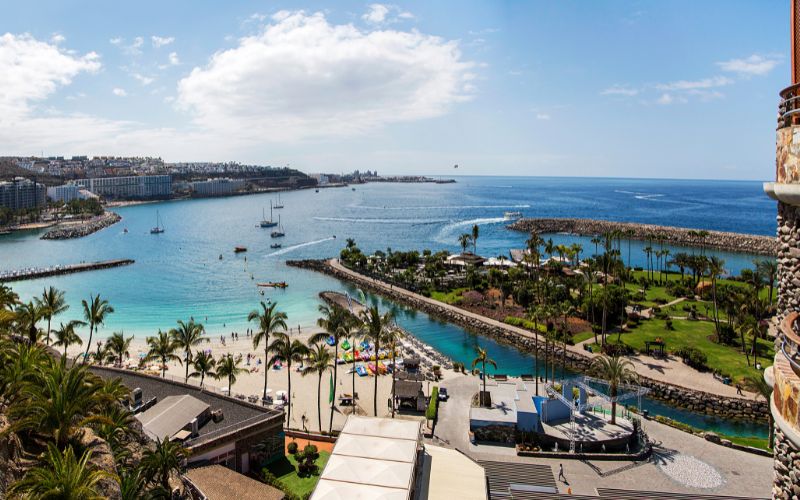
point(8, 171)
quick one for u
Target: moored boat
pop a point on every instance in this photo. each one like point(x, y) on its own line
point(239, 249)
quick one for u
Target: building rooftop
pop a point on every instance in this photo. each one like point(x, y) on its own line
point(220, 483)
point(171, 414)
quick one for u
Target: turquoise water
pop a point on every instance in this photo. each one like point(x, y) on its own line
point(178, 274)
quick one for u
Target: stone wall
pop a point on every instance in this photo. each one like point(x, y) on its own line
point(703, 402)
point(788, 155)
point(788, 259)
point(786, 485)
point(733, 242)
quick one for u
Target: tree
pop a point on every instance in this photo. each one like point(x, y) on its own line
point(464, 240)
point(270, 322)
point(769, 269)
point(52, 303)
point(375, 326)
point(185, 337)
point(286, 350)
point(228, 368)
point(319, 361)
point(66, 335)
point(27, 315)
point(61, 475)
point(162, 347)
point(94, 312)
point(483, 359)
point(118, 345)
point(203, 365)
point(763, 390)
point(164, 459)
point(333, 322)
point(617, 371)
point(716, 267)
point(475, 234)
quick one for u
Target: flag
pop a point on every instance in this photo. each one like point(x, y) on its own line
point(330, 393)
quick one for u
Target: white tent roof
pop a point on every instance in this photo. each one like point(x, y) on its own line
point(445, 465)
point(334, 490)
point(382, 427)
point(368, 471)
point(377, 448)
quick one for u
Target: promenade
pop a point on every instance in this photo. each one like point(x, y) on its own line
point(31, 273)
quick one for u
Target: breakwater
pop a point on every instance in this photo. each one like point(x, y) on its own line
point(43, 272)
point(84, 229)
point(731, 242)
point(525, 341)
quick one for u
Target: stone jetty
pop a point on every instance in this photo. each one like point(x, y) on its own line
point(64, 232)
point(43, 272)
point(731, 242)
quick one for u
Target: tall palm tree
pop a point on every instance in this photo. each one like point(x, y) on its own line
point(66, 335)
point(392, 341)
point(769, 269)
point(166, 458)
point(52, 303)
point(535, 314)
point(763, 390)
point(375, 326)
point(94, 312)
point(270, 321)
point(475, 234)
point(27, 315)
point(116, 428)
point(333, 321)
point(287, 350)
point(203, 365)
point(118, 345)
point(8, 297)
point(319, 361)
point(187, 336)
point(716, 267)
point(464, 240)
point(617, 371)
point(228, 367)
point(61, 475)
point(483, 359)
point(162, 347)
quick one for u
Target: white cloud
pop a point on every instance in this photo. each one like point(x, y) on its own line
point(119, 92)
point(665, 99)
point(542, 116)
point(160, 41)
point(115, 41)
point(379, 13)
point(134, 48)
point(705, 83)
point(173, 59)
point(303, 77)
point(57, 38)
point(621, 90)
point(144, 80)
point(754, 65)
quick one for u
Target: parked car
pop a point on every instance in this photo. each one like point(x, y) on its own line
point(443, 396)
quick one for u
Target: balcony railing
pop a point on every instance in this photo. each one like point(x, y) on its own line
point(790, 340)
point(789, 108)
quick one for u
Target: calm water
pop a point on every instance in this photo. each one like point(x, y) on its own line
point(178, 274)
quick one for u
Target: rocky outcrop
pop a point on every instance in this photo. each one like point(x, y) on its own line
point(732, 242)
point(674, 395)
point(103, 459)
point(85, 229)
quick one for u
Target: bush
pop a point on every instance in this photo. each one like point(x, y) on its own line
point(310, 451)
point(668, 324)
point(430, 413)
point(693, 357)
point(617, 349)
point(292, 447)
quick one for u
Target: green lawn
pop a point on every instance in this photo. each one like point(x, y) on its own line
point(580, 337)
point(451, 297)
point(285, 470)
point(727, 360)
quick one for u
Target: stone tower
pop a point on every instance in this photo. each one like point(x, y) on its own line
point(784, 375)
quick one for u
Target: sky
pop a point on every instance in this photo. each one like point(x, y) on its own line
point(678, 89)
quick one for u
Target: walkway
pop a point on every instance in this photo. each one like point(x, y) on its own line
point(669, 370)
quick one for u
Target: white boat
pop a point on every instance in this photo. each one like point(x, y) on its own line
point(159, 227)
point(267, 223)
point(279, 232)
point(512, 215)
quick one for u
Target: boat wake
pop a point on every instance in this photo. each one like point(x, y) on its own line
point(381, 221)
point(299, 245)
point(440, 207)
point(640, 196)
point(446, 233)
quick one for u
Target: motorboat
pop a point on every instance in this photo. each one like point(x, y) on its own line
point(239, 249)
point(275, 245)
point(512, 215)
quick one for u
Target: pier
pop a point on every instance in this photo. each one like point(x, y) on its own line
point(31, 273)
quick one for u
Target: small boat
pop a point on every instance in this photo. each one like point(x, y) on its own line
point(239, 249)
point(361, 371)
point(267, 223)
point(261, 292)
point(331, 341)
point(512, 215)
point(159, 227)
point(354, 189)
point(279, 232)
point(274, 284)
point(345, 345)
point(316, 190)
point(125, 230)
point(278, 205)
point(275, 245)
point(220, 256)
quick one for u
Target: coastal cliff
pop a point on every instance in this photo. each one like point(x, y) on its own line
point(732, 242)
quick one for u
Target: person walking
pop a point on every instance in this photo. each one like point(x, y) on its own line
point(739, 390)
point(561, 476)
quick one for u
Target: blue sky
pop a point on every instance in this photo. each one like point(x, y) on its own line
point(680, 89)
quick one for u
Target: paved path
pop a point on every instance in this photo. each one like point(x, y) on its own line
point(742, 474)
point(669, 370)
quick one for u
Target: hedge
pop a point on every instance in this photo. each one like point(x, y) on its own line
point(430, 413)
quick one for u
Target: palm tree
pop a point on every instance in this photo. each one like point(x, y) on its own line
point(94, 312)
point(716, 266)
point(764, 390)
point(475, 234)
point(228, 368)
point(162, 348)
point(287, 350)
point(484, 359)
point(66, 335)
point(333, 321)
point(116, 428)
point(392, 340)
point(61, 475)
point(203, 365)
point(185, 337)
point(375, 326)
point(319, 361)
point(165, 459)
point(769, 269)
point(617, 371)
point(132, 484)
point(118, 345)
point(27, 315)
point(52, 303)
point(270, 321)
point(464, 240)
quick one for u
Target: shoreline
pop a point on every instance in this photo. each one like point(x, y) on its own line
point(718, 240)
point(713, 404)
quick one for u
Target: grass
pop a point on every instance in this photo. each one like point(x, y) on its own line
point(285, 470)
point(451, 297)
point(581, 336)
point(752, 441)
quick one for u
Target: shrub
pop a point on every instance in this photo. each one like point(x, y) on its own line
point(310, 451)
point(617, 349)
point(668, 324)
point(292, 447)
point(693, 357)
point(430, 413)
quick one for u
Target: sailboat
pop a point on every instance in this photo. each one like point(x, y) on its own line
point(279, 204)
point(159, 227)
point(267, 223)
point(279, 233)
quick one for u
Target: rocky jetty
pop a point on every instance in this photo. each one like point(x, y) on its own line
point(675, 395)
point(731, 242)
point(79, 230)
